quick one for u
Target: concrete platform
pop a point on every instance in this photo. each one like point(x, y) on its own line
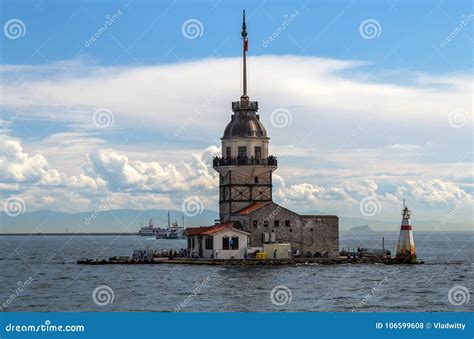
point(239, 262)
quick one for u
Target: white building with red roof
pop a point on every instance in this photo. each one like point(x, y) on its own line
point(221, 241)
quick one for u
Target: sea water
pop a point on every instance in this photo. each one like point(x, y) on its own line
point(40, 273)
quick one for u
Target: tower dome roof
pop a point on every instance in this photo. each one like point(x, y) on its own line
point(245, 125)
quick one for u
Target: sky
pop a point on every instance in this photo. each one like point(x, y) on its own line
point(365, 102)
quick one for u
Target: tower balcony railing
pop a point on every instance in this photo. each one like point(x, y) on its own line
point(245, 104)
point(244, 161)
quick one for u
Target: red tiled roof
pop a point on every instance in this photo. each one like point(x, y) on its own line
point(208, 230)
point(255, 206)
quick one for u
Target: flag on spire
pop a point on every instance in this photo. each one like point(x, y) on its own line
point(244, 34)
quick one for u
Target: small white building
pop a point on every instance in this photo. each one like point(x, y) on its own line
point(221, 241)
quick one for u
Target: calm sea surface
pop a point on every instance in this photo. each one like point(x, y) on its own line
point(59, 284)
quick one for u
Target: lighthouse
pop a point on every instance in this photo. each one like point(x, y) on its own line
point(406, 251)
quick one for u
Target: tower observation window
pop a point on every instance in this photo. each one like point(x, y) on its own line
point(242, 151)
point(258, 152)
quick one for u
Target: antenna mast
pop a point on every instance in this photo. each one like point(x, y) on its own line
point(244, 56)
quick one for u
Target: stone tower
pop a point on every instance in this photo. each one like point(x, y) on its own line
point(245, 167)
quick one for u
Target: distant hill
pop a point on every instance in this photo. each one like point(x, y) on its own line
point(128, 221)
point(361, 229)
point(122, 220)
point(346, 223)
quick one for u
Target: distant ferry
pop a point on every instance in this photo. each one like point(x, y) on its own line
point(150, 230)
point(174, 231)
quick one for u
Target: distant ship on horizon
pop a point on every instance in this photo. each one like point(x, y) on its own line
point(173, 231)
point(150, 230)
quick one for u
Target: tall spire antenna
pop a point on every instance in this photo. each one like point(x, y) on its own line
point(245, 49)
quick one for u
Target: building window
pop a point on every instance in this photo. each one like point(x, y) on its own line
point(234, 243)
point(242, 151)
point(276, 223)
point(189, 243)
point(255, 223)
point(287, 223)
point(265, 223)
point(227, 152)
point(209, 243)
point(225, 243)
point(256, 180)
point(258, 152)
point(193, 243)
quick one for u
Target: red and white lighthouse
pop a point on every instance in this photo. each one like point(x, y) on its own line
point(406, 251)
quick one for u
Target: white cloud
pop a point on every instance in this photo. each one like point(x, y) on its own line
point(139, 184)
point(168, 95)
point(436, 192)
point(18, 166)
point(405, 147)
point(344, 198)
point(122, 173)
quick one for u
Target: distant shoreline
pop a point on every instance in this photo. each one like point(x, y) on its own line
point(136, 234)
point(72, 234)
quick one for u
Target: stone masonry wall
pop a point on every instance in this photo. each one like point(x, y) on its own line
point(315, 233)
